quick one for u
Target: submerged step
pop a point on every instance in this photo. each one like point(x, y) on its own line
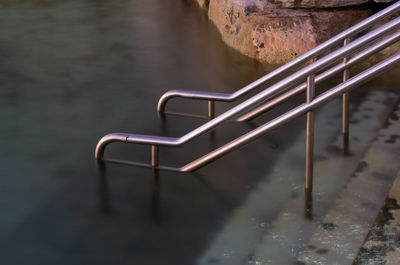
point(249, 235)
point(249, 222)
point(292, 229)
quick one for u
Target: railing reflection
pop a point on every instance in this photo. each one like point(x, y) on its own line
point(105, 206)
point(155, 197)
point(104, 195)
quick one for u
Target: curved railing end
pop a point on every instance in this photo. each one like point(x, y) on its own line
point(107, 139)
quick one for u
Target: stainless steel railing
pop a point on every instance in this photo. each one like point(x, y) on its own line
point(323, 76)
point(281, 88)
point(211, 97)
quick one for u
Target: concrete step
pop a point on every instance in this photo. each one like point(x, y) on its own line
point(261, 231)
point(249, 222)
point(293, 228)
point(350, 218)
point(382, 245)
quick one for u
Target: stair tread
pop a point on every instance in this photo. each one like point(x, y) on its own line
point(249, 233)
point(354, 211)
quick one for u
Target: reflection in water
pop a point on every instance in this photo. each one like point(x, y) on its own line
point(104, 193)
point(155, 196)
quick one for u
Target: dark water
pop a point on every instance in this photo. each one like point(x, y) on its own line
point(72, 71)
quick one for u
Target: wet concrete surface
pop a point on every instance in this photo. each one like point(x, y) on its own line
point(382, 245)
point(353, 213)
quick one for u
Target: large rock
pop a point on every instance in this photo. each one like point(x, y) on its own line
point(258, 29)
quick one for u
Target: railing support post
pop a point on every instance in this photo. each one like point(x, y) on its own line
point(154, 156)
point(155, 182)
point(308, 185)
point(345, 106)
point(211, 109)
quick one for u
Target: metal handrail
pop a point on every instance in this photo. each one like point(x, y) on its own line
point(261, 130)
point(277, 89)
point(322, 77)
point(211, 97)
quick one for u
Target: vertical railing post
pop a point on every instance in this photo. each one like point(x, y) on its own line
point(308, 183)
point(211, 109)
point(154, 156)
point(345, 106)
point(155, 182)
